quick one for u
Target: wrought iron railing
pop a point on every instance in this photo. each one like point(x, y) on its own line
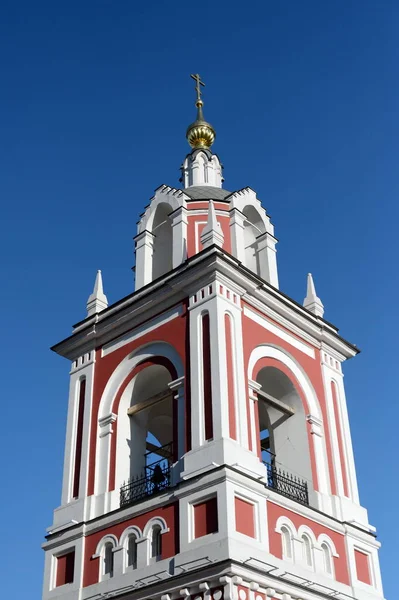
point(286, 484)
point(154, 479)
point(282, 482)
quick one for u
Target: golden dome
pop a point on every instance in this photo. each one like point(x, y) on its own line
point(200, 134)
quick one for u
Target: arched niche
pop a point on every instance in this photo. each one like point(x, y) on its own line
point(162, 256)
point(282, 424)
point(117, 392)
point(146, 432)
point(253, 228)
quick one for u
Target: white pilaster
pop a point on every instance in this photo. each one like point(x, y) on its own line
point(144, 250)
point(266, 244)
point(237, 220)
point(179, 228)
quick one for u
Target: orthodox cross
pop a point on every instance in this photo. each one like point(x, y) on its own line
point(197, 79)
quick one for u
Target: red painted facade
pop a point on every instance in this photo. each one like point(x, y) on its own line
point(275, 511)
point(170, 539)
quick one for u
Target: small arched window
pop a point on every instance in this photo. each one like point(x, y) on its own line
point(307, 551)
point(327, 559)
point(132, 552)
point(108, 558)
point(156, 542)
point(286, 543)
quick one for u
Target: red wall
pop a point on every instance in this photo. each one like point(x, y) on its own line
point(245, 517)
point(362, 567)
point(275, 511)
point(205, 517)
point(170, 540)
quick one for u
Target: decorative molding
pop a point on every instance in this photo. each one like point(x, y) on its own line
point(105, 424)
point(316, 425)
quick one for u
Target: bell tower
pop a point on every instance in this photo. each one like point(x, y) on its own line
point(208, 450)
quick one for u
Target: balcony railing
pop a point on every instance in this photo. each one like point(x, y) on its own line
point(282, 482)
point(155, 478)
point(286, 484)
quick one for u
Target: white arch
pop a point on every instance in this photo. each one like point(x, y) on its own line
point(269, 351)
point(105, 415)
point(139, 355)
point(284, 524)
point(152, 523)
point(109, 538)
point(131, 530)
point(305, 530)
point(161, 196)
point(128, 533)
point(315, 414)
point(323, 538)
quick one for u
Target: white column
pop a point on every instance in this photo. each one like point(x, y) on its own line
point(179, 229)
point(177, 387)
point(144, 251)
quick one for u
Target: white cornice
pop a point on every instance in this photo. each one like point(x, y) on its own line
point(180, 283)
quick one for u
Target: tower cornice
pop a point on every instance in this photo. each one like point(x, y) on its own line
point(175, 286)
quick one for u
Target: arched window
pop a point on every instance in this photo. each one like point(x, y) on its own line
point(286, 543)
point(253, 228)
point(307, 553)
point(132, 552)
point(156, 542)
point(327, 559)
point(108, 560)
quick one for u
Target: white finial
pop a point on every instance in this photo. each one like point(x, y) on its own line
point(312, 302)
point(212, 232)
point(97, 301)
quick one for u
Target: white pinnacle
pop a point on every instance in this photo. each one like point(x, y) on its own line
point(212, 233)
point(97, 301)
point(312, 302)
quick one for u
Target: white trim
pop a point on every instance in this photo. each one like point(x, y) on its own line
point(266, 324)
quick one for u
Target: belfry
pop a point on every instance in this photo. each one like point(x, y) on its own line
point(208, 450)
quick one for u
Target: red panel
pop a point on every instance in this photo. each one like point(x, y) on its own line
point(230, 378)
point(245, 517)
point(79, 436)
point(207, 383)
point(275, 511)
point(65, 568)
point(340, 439)
point(362, 567)
point(170, 543)
point(206, 518)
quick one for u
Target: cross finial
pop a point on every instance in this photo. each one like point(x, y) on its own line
point(197, 79)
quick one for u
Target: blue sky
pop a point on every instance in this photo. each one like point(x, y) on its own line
point(95, 99)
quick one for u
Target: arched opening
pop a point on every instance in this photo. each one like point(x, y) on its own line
point(150, 434)
point(253, 228)
point(156, 542)
point(307, 553)
point(162, 256)
point(283, 434)
point(132, 551)
point(327, 559)
point(286, 543)
point(108, 560)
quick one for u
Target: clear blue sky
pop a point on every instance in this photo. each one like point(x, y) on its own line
point(95, 99)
